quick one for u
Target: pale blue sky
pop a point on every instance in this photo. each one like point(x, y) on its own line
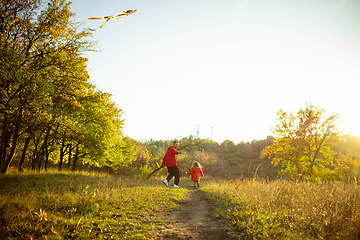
point(225, 67)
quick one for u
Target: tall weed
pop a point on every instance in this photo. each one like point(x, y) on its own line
point(289, 210)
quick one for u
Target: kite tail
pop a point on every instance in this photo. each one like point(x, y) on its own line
point(116, 16)
point(102, 25)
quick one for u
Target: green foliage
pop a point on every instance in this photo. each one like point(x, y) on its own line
point(142, 172)
point(142, 154)
point(48, 108)
point(346, 166)
point(303, 142)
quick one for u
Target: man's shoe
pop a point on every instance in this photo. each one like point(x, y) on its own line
point(166, 182)
point(176, 186)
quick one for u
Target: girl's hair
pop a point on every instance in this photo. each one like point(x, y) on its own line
point(196, 164)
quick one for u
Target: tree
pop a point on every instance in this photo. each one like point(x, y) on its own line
point(345, 166)
point(36, 42)
point(47, 105)
point(97, 132)
point(142, 155)
point(303, 141)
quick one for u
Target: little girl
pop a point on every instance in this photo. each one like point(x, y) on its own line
point(196, 172)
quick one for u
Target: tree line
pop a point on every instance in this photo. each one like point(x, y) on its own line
point(340, 161)
point(209, 153)
point(48, 107)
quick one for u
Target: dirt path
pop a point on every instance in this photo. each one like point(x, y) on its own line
point(193, 220)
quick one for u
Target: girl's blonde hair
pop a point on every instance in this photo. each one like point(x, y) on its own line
point(196, 164)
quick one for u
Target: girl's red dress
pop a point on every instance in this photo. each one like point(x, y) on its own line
point(195, 173)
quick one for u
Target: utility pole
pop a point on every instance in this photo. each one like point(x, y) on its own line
point(197, 131)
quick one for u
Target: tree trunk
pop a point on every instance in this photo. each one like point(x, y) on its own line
point(46, 159)
point(62, 151)
point(48, 151)
point(75, 159)
point(6, 165)
point(69, 160)
point(43, 149)
point(22, 160)
point(5, 139)
point(36, 153)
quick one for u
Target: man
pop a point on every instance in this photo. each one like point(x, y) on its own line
point(169, 161)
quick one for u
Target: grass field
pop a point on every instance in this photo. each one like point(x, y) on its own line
point(85, 205)
point(82, 206)
point(289, 210)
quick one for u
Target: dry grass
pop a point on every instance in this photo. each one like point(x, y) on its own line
point(289, 210)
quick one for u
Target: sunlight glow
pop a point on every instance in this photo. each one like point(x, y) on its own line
point(225, 68)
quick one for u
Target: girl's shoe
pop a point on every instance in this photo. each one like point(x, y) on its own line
point(194, 187)
point(198, 184)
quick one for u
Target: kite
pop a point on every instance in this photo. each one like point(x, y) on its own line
point(116, 16)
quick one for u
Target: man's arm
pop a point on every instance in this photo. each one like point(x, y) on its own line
point(173, 150)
